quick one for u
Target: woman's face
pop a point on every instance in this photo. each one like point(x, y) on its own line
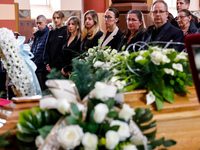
point(133, 22)
point(109, 19)
point(72, 27)
point(89, 21)
point(183, 20)
point(57, 20)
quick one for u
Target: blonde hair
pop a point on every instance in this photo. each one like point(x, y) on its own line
point(76, 22)
point(94, 29)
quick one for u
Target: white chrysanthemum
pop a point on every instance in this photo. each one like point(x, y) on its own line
point(169, 71)
point(167, 50)
point(177, 66)
point(156, 57)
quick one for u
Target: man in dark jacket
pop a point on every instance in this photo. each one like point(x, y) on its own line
point(38, 49)
point(162, 30)
point(183, 4)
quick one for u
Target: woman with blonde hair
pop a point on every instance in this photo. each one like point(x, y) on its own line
point(71, 48)
point(91, 31)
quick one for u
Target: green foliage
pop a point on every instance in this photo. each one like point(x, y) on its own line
point(31, 124)
point(55, 74)
point(85, 76)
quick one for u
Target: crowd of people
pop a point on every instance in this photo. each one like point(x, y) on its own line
point(54, 45)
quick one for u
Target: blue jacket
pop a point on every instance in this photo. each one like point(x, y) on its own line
point(38, 48)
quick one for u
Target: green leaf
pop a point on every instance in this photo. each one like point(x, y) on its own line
point(151, 135)
point(75, 109)
point(155, 143)
point(159, 100)
point(112, 114)
point(168, 94)
point(93, 128)
point(25, 137)
point(115, 128)
point(169, 143)
point(110, 103)
point(71, 120)
point(44, 131)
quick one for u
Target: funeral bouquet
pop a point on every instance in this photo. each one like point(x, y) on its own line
point(162, 71)
point(94, 123)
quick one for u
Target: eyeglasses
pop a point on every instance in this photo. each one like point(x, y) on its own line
point(160, 12)
point(107, 17)
point(180, 17)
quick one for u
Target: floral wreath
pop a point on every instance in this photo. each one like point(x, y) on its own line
point(13, 62)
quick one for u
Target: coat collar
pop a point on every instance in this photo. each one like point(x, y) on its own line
point(109, 38)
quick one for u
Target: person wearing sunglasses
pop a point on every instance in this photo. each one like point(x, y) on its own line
point(112, 36)
point(162, 30)
point(185, 22)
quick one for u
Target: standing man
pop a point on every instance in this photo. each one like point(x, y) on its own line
point(162, 30)
point(38, 49)
point(182, 4)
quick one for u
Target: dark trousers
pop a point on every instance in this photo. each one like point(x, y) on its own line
point(42, 79)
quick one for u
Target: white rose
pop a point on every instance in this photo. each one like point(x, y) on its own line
point(150, 98)
point(129, 147)
point(98, 64)
point(48, 102)
point(138, 58)
point(70, 136)
point(39, 141)
point(89, 141)
point(167, 50)
point(156, 48)
point(123, 131)
point(63, 106)
point(120, 84)
point(177, 66)
point(112, 139)
point(142, 52)
point(136, 140)
point(169, 71)
point(126, 112)
point(100, 112)
point(103, 90)
point(156, 57)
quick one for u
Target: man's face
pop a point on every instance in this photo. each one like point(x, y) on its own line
point(180, 4)
point(159, 14)
point(41, 24)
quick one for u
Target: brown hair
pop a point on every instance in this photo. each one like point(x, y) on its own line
point(94, 29)
point(77, 23)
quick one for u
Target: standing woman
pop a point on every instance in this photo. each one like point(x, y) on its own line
point(55, 42)
point(135, 29)
point(71, 48)
point(91, 31)
point(112, 36)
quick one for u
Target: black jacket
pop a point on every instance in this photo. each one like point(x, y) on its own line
point(113, 40)
point(174, 22)
point(167, 33)
point(134, 39)
point(192, 28)
point(86, 43)
point(70, 52)
point(53, 49)
point(38, 47)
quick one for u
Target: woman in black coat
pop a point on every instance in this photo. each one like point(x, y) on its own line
point(91, 31)
point(112, 36)
point(135, 30)
point(55, 42)
point(71, 49)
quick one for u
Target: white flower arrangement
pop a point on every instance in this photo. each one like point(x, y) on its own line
point(14, 62)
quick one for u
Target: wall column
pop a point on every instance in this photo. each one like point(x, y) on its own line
point(7, 14)
point(98, 5)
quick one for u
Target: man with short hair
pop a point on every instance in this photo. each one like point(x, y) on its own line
point(162, 30)
point(183, 4)
point(38, 49)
